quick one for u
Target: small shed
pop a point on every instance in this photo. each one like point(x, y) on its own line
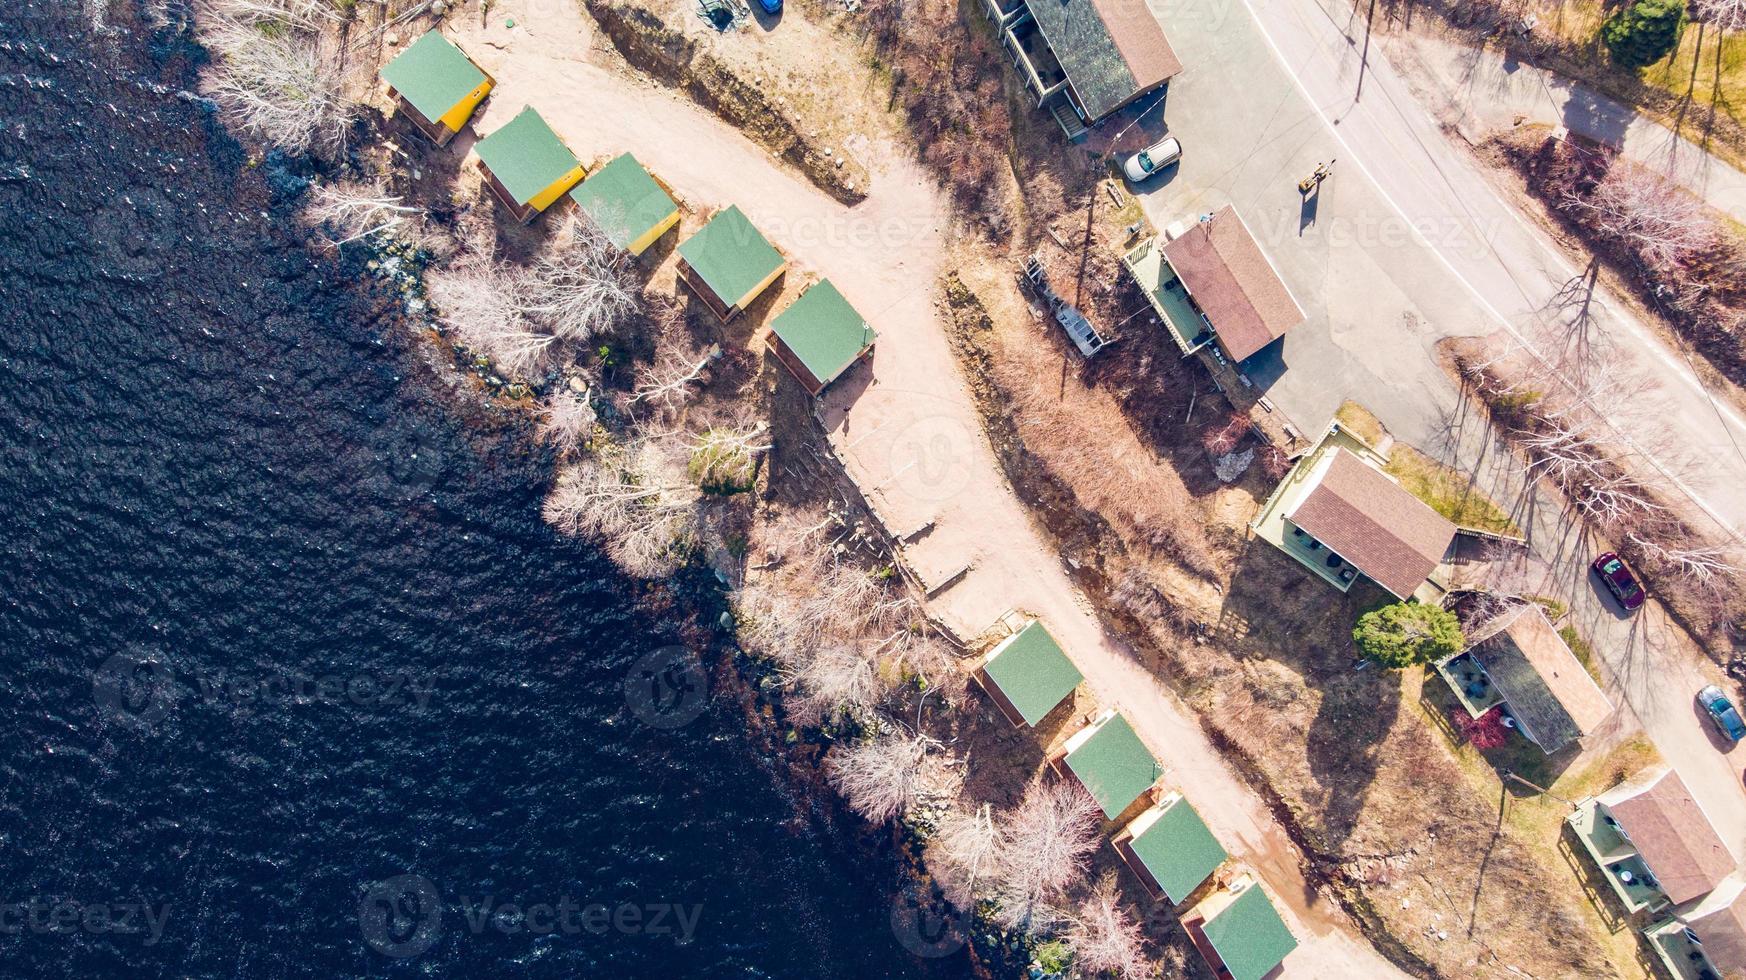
point(437, 86)
point(527, 165)
point(627, 204)
point(1110, 761)
point(1027, 675)
point(820, 336)
point(728, 263)
point(1170, 849)
point(1238, 931)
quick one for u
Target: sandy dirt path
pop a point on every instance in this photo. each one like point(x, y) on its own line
point(912, 437)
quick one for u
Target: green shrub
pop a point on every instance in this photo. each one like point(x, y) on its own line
point(1054, 956)
point(1408, 633)
point(1644, 32)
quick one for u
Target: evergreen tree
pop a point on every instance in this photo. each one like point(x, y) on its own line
point(1408, 633)
point(1644, 32)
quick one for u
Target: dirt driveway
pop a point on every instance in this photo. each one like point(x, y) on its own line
point(912, 437)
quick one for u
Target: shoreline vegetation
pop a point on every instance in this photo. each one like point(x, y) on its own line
point(687, 453)
point(679, 449)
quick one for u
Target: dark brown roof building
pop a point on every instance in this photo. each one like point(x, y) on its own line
point(1231, 280)
point(1549, 692)
point(1112, 51)
point(1373, 522)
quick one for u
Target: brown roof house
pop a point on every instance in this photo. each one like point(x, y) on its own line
point(1213, 282)
point(1652, 841)
point(1525, 666)
point(1705, 939)
point(1084, 59)
point(1341, 516)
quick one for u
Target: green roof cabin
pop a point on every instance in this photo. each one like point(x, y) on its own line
point(1238, 931)
point(627, 204)
point(437, 86)
point(1170, 849)
point(728, 263)
point(1027, 675)
point(527, 165)
point(1110, 761)
point(820, 336)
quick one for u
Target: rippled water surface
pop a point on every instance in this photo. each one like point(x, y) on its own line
point(280, 622)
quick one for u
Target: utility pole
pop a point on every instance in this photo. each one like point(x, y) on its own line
point(1507, 774)
point(1364, 57)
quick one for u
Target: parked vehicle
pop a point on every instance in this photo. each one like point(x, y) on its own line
point(771, 7)
point(1722, 713)
point(1617, 577)
point(1153, 159)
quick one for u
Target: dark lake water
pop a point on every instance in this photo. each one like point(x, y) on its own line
point(293, 681)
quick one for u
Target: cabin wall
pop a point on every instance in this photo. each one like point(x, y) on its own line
point(757, 290)
point(544, 199)
point(457, 117)
point(654, 234)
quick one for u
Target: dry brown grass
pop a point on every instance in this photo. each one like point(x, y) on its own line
point(1262, 651)
point(1083, 437)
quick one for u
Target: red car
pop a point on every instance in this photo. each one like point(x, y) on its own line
point(1618, 579)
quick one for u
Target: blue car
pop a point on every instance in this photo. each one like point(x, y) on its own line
point(1722, 713)
point(771, 7)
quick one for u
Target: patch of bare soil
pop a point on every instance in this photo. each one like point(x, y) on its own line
point(776, 95)
point(1370, 789)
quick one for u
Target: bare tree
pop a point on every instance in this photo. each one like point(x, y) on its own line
point(1046, 841)
point(274, 75)
point(1603, 491)
point(1656, 218)
point(566, 421)
point(1711, 572)
point(917, 650)
point(836, 683)
point(580, 285)
point(724, 460)
point(636, 498)
point(355, 211)
point(1107, 941)
point(962, 854)
point(484, 303)
point(883, 776)
point(669, 383)
point(304, 15)
point(1727, 15)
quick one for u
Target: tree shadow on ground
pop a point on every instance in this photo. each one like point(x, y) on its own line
point(1167, 398)
point(1278, 611)
point(1594, 115)
point(1007, 756)
point(438, 168)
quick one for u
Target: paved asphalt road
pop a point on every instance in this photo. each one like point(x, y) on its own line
point(1515, 270)
point(1408, 244)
